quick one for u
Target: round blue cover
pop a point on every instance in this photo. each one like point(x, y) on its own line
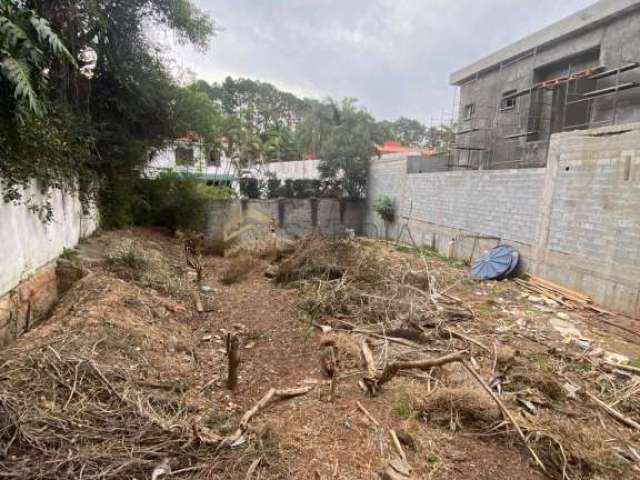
point(496, 263)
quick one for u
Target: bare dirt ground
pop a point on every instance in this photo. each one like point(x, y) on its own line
point(127, 380)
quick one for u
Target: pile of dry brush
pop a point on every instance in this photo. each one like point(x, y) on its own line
point(401, 306)
point(107, 388)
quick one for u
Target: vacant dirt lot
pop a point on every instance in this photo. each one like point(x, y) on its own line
point(127, 380)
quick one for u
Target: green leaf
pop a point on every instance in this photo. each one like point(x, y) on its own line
point(17, 73)
point(48, 37)
point(10, 33)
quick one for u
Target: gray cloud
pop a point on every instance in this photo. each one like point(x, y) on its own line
point(395, 56)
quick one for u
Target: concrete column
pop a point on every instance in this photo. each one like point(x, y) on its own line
point(544, 215)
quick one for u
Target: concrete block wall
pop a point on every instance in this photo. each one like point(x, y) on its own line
point(291, 218)
point(576, 222)
point(499, 203)
point(591, 238)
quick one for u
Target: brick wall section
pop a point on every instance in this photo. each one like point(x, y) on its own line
point(576, 222)
point(502, 203)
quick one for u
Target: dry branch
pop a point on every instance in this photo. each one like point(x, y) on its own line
point(392, 368)
point(371, 418)
point(373, 383)
point(447, 331)
point(614, 413)
point(272, 395)
point(505, 412)
point(396, 444)
point(626, 368)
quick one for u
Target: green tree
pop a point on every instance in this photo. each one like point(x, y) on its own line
point(28, 45)
point(130, 99)
point(195, 113)
point(441, 137)
point(407, 131)
point(348, 147)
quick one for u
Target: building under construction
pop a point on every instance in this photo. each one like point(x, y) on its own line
point(581, 72)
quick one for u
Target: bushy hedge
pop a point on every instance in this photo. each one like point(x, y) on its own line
point(177, 201)
point(300, 188)
point(274, 187)
point(251, 188)
point(386, 208)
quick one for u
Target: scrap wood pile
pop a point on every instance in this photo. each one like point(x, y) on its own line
point(110, 387)
point(576, 417)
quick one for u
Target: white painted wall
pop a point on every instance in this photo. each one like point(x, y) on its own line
point(296, 170)
point(28, 244)
point(166, 160)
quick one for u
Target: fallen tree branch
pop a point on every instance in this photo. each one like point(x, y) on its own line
point(372, 384)
point(371, 418)
point(396, 444)
point(508, 415)
point(392, 368)
point(464, 337)
point(272, 395)
point(613, 412)
point(626, 368)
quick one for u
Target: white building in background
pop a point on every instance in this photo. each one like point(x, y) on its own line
point(196, 158)
point(290, 170)
point(213, 166)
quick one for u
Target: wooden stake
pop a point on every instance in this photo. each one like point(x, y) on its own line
point(197, 299)
point(233, 357)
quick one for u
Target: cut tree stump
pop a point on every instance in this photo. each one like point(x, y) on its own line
point(233, 357)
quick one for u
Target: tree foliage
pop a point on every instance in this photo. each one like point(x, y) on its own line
point(28, 45)
point(123, 94)
point(347, 144)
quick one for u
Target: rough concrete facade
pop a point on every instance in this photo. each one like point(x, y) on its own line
point(576, 222)
point(494, 133)
point(292, 218)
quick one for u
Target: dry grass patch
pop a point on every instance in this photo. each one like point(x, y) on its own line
point(238, 269)
point(459, 408)
point(148, 267)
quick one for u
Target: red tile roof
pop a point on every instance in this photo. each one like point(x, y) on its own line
point(391, 147)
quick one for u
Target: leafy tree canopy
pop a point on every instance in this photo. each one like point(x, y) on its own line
point(122, 96)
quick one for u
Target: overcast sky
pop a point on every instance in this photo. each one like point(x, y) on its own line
point(395, 56)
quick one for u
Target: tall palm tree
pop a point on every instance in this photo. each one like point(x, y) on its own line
point(27, 47)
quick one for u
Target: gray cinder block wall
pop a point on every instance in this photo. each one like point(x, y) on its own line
point(576, 222)
point(291, 218)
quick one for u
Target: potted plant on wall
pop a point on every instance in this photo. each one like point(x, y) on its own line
point(386, 208)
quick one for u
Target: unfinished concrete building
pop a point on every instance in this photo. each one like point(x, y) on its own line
point(581, 72)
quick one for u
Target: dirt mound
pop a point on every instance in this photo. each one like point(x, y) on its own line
point(93, 393)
